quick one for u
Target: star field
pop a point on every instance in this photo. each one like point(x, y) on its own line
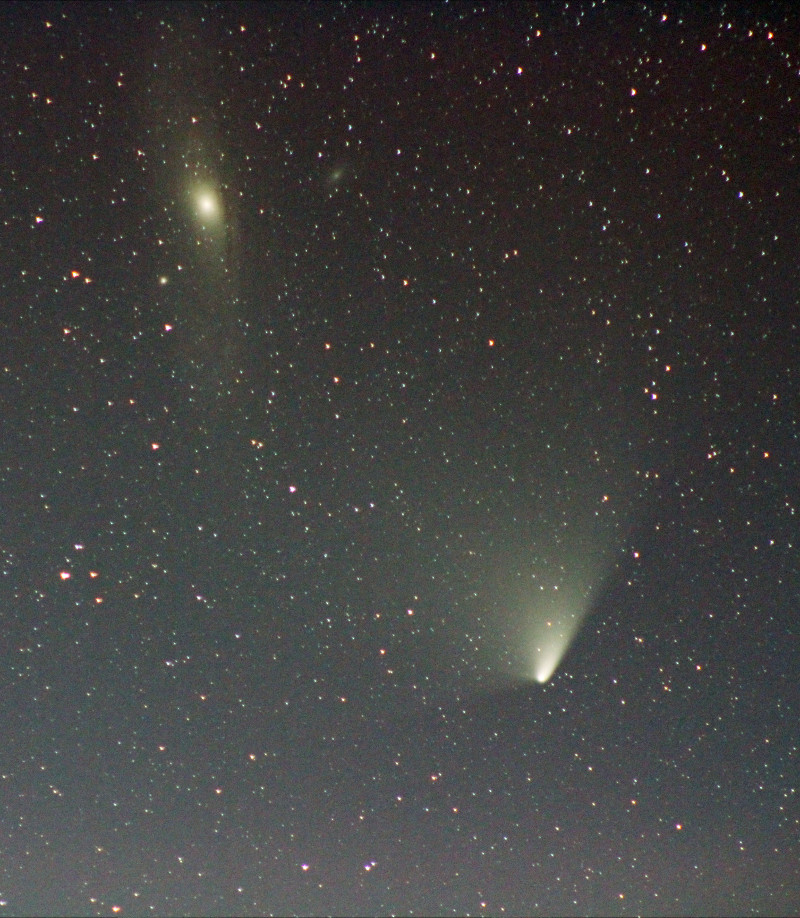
point(399, 459)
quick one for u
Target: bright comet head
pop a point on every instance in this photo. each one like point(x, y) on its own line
point(553, 625)
point(551, 644)
point(547, 659)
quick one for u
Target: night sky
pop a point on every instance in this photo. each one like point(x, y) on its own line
point(399, 482)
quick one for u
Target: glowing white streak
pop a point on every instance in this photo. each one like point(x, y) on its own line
point(550, 654)
point(552, 630)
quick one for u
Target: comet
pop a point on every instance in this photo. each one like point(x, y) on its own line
point(561, 573)
point(553, 624)
point(551, 648)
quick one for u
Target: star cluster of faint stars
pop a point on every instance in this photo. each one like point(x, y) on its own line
point(399, 459)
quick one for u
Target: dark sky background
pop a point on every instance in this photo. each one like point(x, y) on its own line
point(358, 364)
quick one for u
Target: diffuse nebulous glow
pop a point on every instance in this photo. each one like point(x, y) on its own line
point(551, 647)
point(398, 426)
point(554, 620)
point(207, 206)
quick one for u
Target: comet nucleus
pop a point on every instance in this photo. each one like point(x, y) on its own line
point(551, 645)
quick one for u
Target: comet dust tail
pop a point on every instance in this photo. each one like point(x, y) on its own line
point(551, 642)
